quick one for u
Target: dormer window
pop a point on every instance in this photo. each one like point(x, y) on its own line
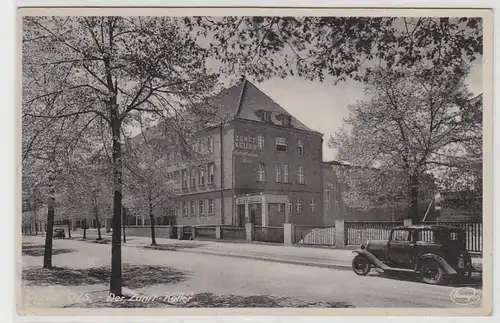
point(266, 116)
point(285, 119)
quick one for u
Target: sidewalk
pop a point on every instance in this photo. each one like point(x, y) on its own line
point(300, 255)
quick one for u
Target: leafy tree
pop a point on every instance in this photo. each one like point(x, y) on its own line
point(147, 158)
point(117, 72)
point(409, 124)
point(342, 47)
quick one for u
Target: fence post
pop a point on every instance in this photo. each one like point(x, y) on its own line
point(249, 232)
point(340, 235)
point(180, 232)
point(407, 222)
point(193, 232)
point(168, 232)
point(218, 232)
point(288, 237)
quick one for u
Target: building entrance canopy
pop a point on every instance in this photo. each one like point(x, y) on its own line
point(248, 207)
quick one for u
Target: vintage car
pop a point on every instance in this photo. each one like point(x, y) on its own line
point(59, 234)
point(437, 253)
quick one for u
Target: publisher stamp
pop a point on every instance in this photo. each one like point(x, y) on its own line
point(465, 296)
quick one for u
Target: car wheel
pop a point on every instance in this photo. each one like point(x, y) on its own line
point(432, 273)
point(360, 265)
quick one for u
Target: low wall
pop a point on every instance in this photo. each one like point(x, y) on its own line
point(161, 231)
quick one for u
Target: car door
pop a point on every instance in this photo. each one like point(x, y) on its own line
point(400, 251)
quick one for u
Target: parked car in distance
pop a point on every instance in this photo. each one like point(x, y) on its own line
point(59, 234)
point(437, 253)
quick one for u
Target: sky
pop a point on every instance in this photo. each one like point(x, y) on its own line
point(322, 106)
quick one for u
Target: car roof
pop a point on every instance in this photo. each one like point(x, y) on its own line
point(437, 227)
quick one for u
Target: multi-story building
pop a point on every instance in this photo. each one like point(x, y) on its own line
point(261, 165)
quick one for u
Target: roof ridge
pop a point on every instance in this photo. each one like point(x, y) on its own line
point(277, 104)
point(240, 100)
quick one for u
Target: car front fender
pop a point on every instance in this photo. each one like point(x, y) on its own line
point(444, 264)
point(374, 260)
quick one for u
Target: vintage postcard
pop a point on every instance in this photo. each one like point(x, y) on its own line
point(255, 161)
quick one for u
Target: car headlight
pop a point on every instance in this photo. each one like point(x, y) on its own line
point(363, 246)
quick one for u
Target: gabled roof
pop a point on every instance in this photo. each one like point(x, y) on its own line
point(244, 101)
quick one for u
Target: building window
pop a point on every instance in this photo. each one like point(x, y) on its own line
point(300, 174)
point(201, 176)
point(280, 144)
point(281, 208)
point(300, 147)
point(278, 173)
point(261, 173)
point(193, 177)
point(184, 178)
point(210, 143)
point(202, 207)
point(211, 206)
point(336, 204)
point(298, 205)
point(328, 195)
point(193, 208)
point(285, 173)
point(266, 116)
point(260, 141)
point(312, 206)
point(290, 205)
point(184, 208)
point(211, 173)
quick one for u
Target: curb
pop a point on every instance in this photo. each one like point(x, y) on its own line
point(276, 260)
point(332, 265)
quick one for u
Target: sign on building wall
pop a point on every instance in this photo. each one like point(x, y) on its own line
point(249, 199)
point(245, 142)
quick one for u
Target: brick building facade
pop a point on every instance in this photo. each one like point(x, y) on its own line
point(263, 166)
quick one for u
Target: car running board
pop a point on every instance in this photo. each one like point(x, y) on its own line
point(398, 269)
point(378, 264)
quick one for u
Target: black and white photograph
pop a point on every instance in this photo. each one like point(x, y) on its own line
point(257, 160)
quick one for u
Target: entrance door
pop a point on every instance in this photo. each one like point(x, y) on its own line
point(256, 214)
point(240, 215)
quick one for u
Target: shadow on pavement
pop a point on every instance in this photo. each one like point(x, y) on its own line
point(133, 276)
point(209, 300)
point(38, 250)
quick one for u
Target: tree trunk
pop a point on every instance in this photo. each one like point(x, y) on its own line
point(84, 222)
point(69, 229)
point(116, 253)
point(31, 229)
point(98, 224)
point(151, 217)
point(47, 254)
point(414, 216)
point(124, 222)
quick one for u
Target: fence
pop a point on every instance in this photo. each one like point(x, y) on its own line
point(269, 234)
point(233, 233)
point(473, 232)
point(357, 233)
point(314, 235)
point(205, 232)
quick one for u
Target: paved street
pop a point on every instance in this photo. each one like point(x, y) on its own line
point(246, 277)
